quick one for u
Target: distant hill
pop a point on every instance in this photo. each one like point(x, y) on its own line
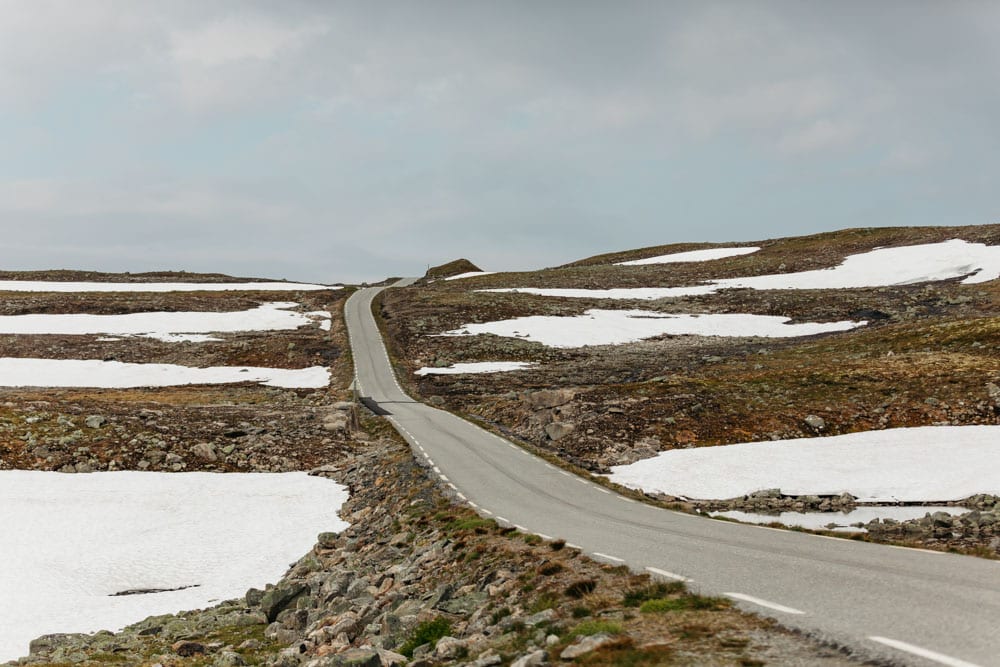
point(453, 268)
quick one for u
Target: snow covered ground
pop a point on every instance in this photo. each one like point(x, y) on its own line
point(692, 256)
point(476, 367)
point(167, 326)
point(924, 464)
point(72, 541)
point(115, 374)
point(470, 274)
point(613, 327)
point(843, 520)
point(878, 268)
point(53, 286)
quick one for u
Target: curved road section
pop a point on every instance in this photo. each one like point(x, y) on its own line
point(900, 606)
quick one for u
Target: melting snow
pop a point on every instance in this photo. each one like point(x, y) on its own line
point(72, 541)
point(843, 520)
point(54, 286)
point(116, 374)
point(613, 327)
point(924, 464)
point(166, 326)
point(476, 367)
point(692, 256)
point(470, 274)
point(878, 268)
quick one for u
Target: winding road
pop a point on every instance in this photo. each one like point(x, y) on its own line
point(890, 604)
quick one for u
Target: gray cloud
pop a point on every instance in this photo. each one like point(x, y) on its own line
point(352, 140)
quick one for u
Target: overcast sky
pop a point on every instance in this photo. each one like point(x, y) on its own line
point(338, 141)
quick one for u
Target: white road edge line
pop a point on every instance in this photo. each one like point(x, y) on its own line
point(923, 653)
point(614, 558)
point(544, 536)
point(668, 575)
point(764, 603)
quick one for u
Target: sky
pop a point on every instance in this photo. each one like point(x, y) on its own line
point(349, 141)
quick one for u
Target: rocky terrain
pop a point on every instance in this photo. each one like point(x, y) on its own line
point(245, 427)
point(419, 580)
point(930, 354)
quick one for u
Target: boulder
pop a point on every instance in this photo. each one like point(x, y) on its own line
point(559, 430)
point(549, 398)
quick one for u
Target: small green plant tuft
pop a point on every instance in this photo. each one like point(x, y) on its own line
point(636, 596)
point(427, 632)
point(588, 628)
point(531, 538)
point(543, 602)
point(685, 603)
point(580, 612)
point(499, 615)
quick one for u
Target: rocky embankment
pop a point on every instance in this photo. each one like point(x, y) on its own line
point(420, 580)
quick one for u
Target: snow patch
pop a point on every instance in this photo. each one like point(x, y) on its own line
point(167, 326)
point(843, 520)
point(692, 256)
point(54, 286)
point(72, 541)
point(923, 464)
point(119, 375)
point(614, 327)
point(877, 268)
point(470, 274)
point(476, 367)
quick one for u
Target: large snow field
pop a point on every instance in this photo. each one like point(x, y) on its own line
point(475, 367)
point(15, 372)
point(613, 327)
point(923, 464)
point(692, 256)
point(167, 326)
point(72, 541)
point(59, 286)
point(877, 268)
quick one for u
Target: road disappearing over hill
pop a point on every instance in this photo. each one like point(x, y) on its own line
point(896, 605)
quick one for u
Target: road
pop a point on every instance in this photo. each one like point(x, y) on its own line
point(897, 605)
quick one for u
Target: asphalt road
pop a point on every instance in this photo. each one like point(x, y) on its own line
point(900, 606)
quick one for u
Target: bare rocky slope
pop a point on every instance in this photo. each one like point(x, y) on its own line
point(929, 355)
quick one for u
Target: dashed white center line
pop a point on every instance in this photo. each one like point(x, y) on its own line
point(437, 470)
point(563, 472)
point(668, 575)
point(461, 495)
point(502, 520)
point(444, 479)
point(603, 490)
point(764, 603)
point(607, 557)
point(923, 652)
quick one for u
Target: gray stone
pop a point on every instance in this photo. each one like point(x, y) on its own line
point(391, 659)
point(559, 430)
point(448, 647)
point(532, 659)
point(815, 422)
point(205, 451)
point(276, 599)
point(585, 645)
point(229, 659)
point(549, 398)
point(95, 421)
point(541, 617)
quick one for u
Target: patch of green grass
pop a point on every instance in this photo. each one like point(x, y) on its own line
point(543, 602)
point(580, 612)
point(480, 526)
point(685, 603)
point(531, 538)
point(596, 627)
point(428, 632)
point(636, 596)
